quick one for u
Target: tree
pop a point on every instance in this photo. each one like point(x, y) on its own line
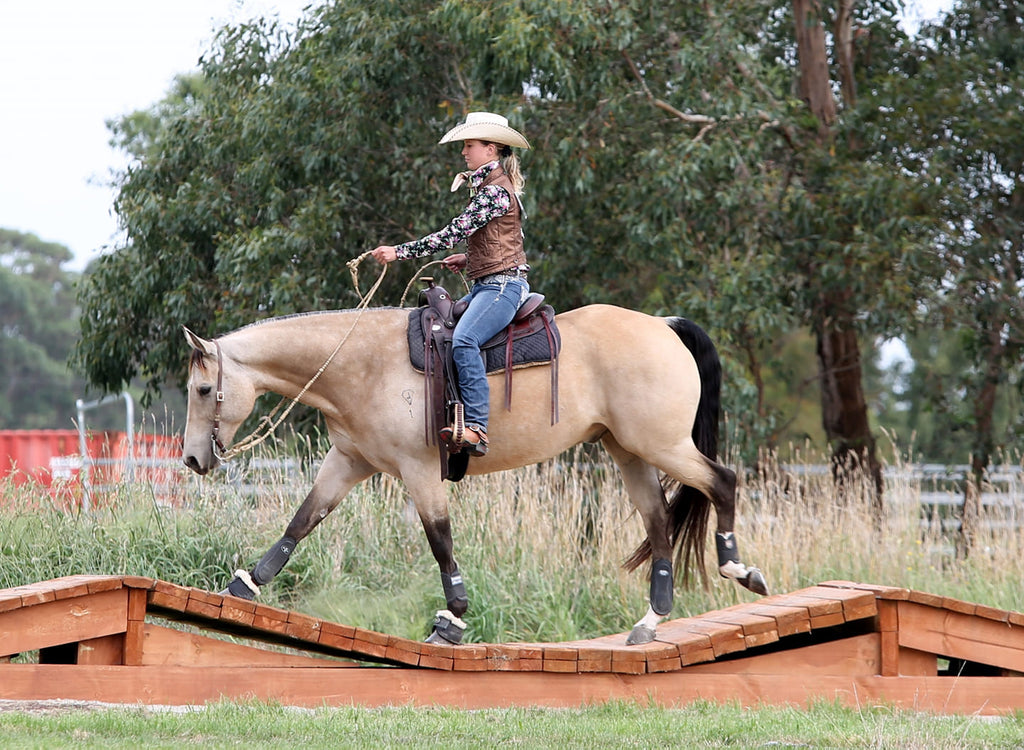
point(37, 331)
point(974, 64)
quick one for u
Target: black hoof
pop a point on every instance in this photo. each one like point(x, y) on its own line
point(640, 635)
point(755, 582)
point(448, 630)
point(238, 588)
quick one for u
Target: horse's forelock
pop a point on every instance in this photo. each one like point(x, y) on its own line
point(197, 360)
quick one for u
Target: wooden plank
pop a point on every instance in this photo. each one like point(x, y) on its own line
point(888, 626)
point(73, 586)
point(341, 637)
point(823, 613)
point(139, 582)
point(894, 593)
point(858, 604)
point(789, 619)
point(952, 634)
point(757, 630)
point(402, 651)
point(203, 604)
point(316, 686)
point(108, 649)
point(270, 619)
point(470, 657)
point(63, 621)
point(169, 647)
point(100, 584)
point(855, 656)
point(724, 638)
point(303, 627)
point(237, 611)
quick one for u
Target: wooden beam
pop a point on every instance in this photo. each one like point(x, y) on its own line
point(374, 686)
point(165, 646)
point(60, 621)
point(961, 636)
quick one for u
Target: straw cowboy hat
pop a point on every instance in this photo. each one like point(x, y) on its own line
point(486, 126)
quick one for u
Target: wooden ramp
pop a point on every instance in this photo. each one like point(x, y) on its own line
point(113, 639)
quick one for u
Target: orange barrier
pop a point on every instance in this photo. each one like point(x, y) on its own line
point(52, 459)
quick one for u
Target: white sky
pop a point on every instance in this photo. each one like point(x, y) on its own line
point(68, 66)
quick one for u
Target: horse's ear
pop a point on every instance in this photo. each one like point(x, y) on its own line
point(198, 343)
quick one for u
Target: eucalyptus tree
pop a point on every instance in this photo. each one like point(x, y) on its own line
point(38, 326)
point(971, 65)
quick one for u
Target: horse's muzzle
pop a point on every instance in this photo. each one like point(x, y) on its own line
point(193, 463)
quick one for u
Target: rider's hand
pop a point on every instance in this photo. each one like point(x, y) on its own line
point(455, 262)
point(385, 253)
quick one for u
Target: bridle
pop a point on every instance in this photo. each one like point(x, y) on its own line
point(218, 446)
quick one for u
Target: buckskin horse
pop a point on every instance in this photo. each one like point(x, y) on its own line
point(646, 387)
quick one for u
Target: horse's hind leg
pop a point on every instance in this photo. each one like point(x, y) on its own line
point(644, 488)
point(718, 483)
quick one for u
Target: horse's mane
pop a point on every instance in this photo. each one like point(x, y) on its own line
point(308, 314)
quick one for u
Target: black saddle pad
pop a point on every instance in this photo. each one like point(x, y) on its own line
point(530, 344)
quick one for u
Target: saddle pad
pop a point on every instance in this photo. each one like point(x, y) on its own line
point(531, 345)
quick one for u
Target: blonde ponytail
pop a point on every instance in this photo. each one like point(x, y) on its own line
point(510, 163)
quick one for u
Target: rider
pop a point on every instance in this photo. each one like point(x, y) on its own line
point(495, 260)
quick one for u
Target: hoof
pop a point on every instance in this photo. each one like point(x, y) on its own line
point(755, 582)
point(240, 589)
point(448, 629)
point(639, 635)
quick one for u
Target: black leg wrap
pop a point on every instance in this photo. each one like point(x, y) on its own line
point(272, 562)
point(455, 593)
point(661, 586)
point(727, 550)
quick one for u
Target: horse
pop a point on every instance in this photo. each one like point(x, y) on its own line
point(647, 388)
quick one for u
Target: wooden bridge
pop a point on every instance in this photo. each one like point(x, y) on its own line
point(121, 639)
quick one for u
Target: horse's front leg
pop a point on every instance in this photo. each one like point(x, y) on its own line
point(337, 475)
point(432, 507)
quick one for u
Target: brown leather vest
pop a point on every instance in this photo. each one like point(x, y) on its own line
point(498, 245)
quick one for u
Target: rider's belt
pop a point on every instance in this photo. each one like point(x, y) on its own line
point(509, 273)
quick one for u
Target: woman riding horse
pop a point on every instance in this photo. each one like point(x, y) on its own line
point(495, 260)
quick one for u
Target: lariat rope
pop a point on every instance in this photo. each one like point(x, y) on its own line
point(268, 424)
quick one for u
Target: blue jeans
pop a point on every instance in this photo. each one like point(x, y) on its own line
point(492, 305)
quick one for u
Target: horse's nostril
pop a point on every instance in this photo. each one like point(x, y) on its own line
point(193, 463)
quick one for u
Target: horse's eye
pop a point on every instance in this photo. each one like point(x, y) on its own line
point(204, 390)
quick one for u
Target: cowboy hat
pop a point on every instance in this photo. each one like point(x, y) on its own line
point(486, 126)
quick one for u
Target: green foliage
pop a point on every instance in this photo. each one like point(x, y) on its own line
point(37, 330)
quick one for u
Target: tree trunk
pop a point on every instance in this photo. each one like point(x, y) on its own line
point(843, 407)
point(844, 410)
point(815, 81)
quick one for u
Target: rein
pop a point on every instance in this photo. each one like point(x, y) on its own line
point(269, 424)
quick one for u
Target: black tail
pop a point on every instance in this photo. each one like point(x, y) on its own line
point(689, 509)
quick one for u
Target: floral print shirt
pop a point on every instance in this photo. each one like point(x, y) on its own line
point(486, 203)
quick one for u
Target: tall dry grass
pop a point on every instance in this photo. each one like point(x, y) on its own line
point(540, 548)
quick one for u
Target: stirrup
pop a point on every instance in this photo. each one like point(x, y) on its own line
point(458, 439)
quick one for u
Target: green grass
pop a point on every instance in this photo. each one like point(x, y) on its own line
point(617, 725)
